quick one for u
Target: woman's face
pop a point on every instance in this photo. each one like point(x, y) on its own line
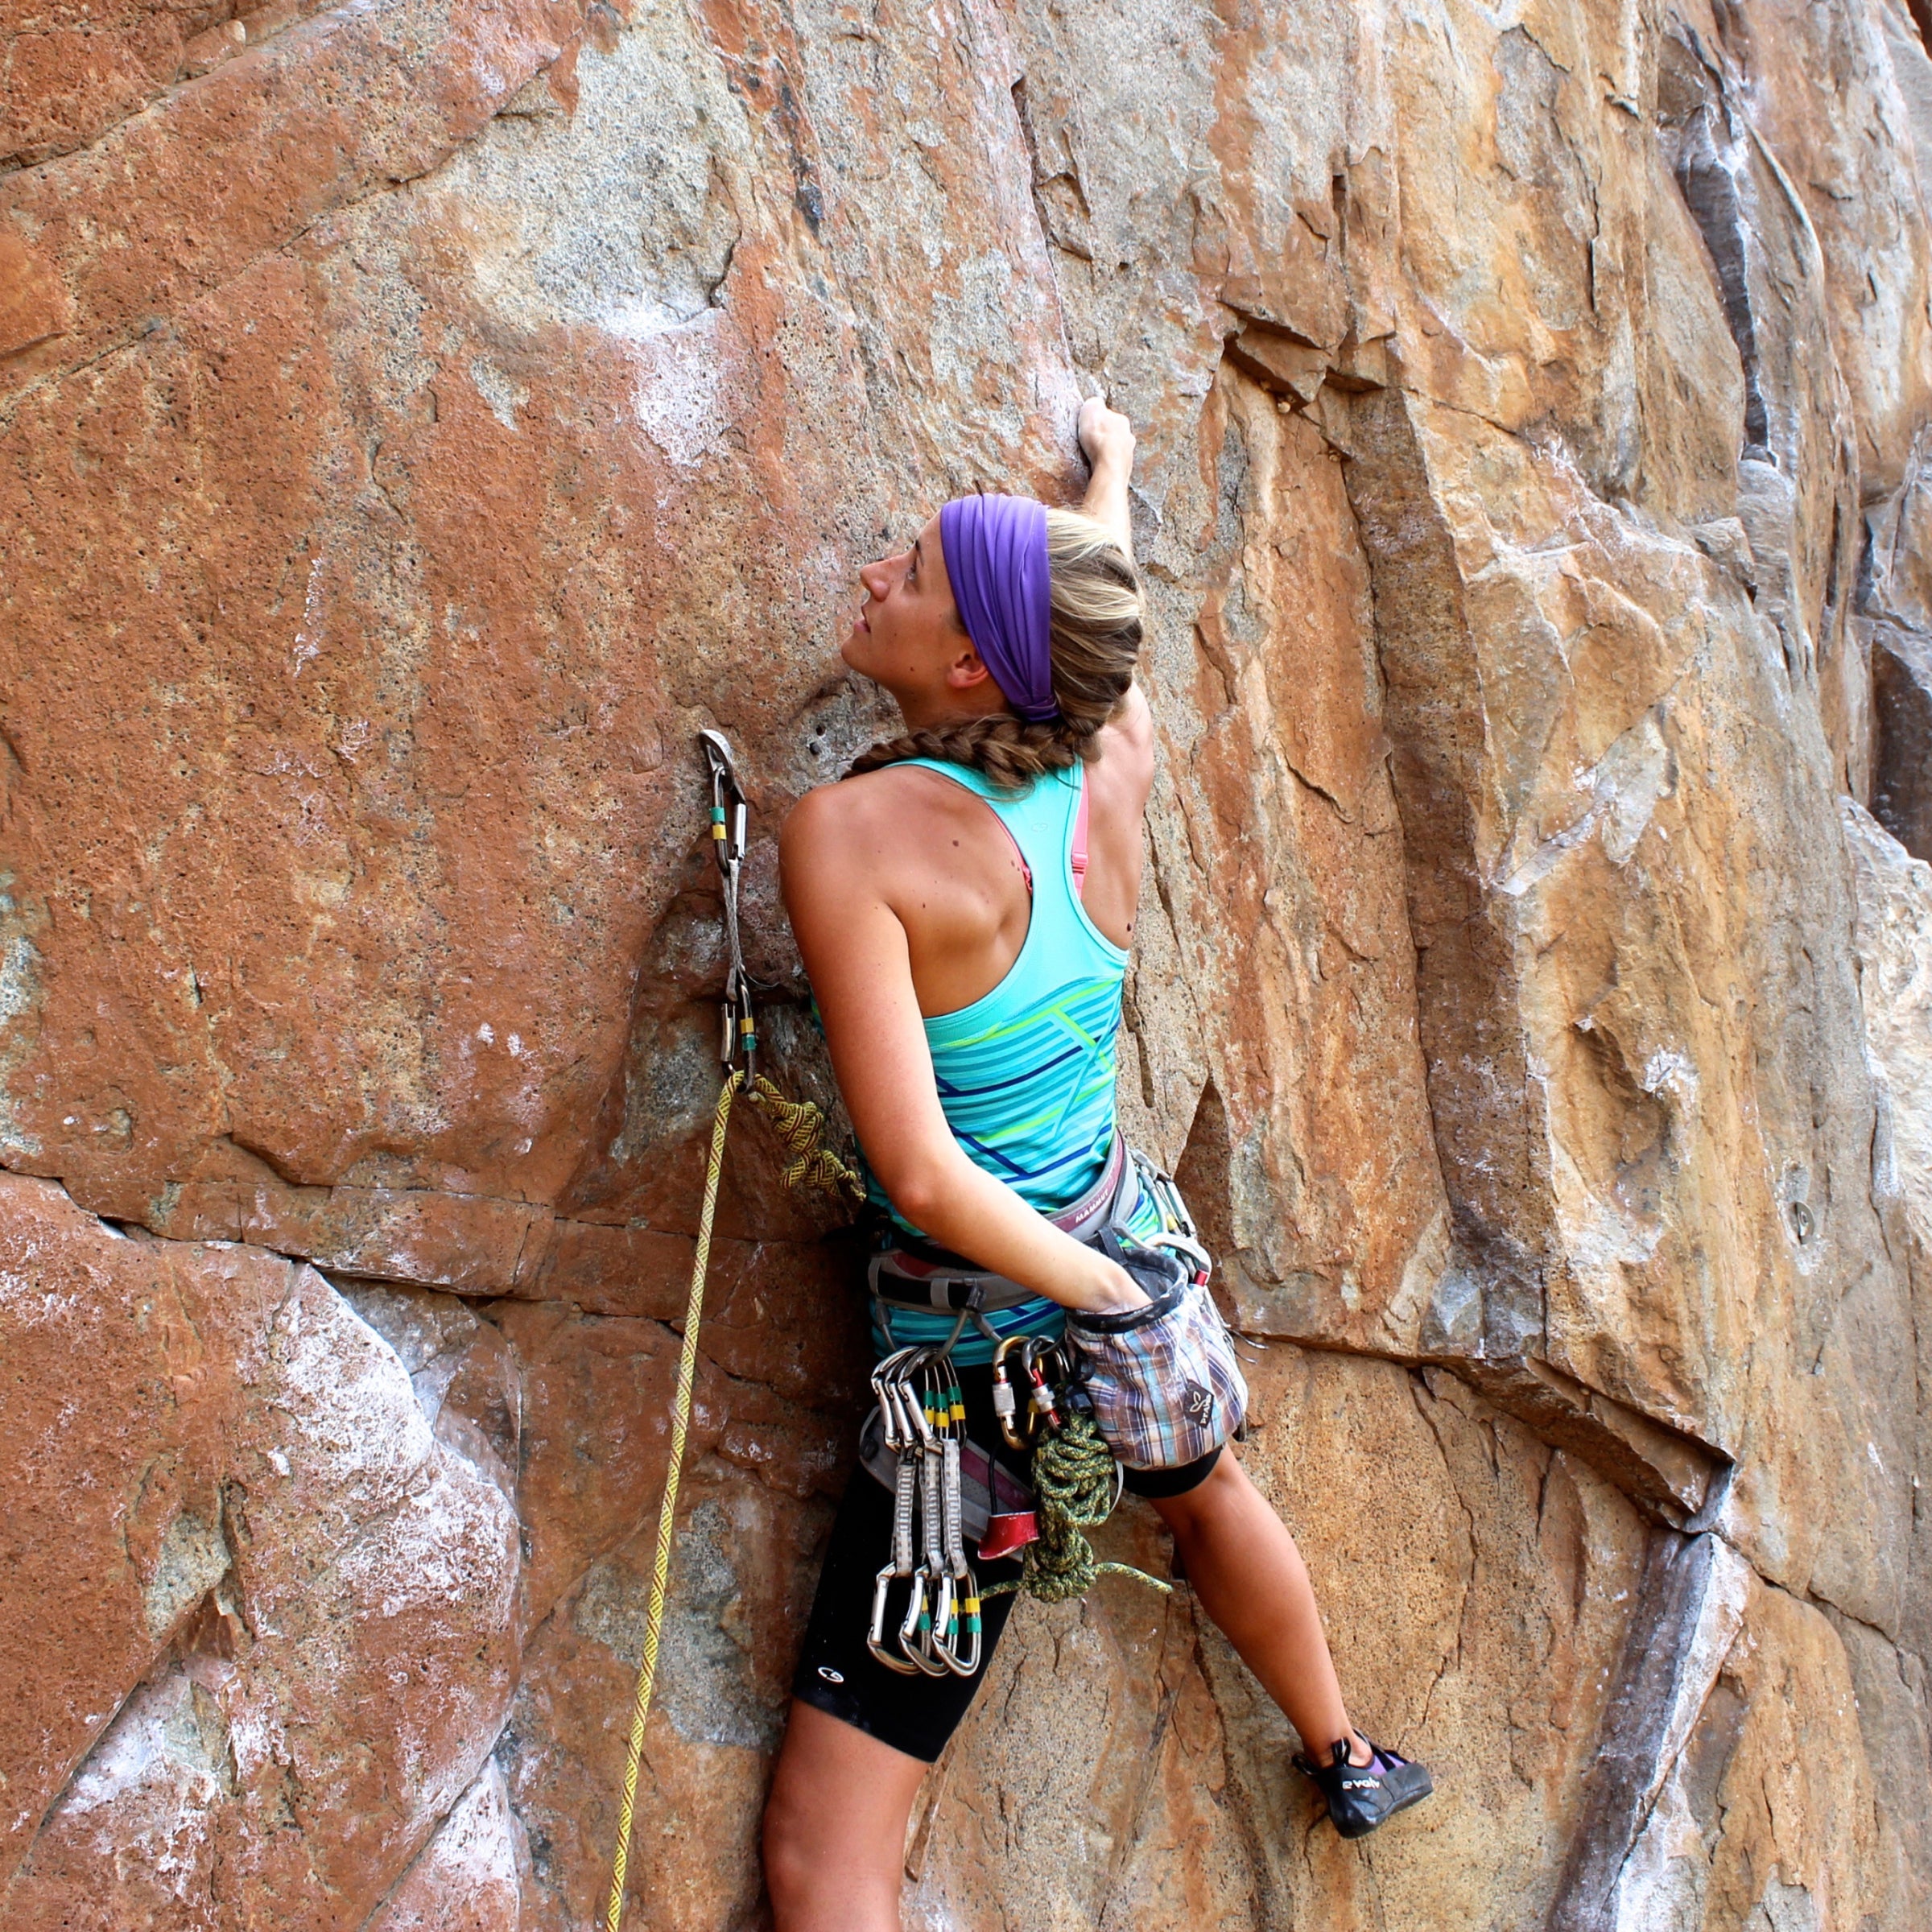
point(907, 634)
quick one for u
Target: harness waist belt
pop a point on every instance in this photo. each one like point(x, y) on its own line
point(912, 1274)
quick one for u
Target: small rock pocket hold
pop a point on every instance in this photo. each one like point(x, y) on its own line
point(1163, 1379)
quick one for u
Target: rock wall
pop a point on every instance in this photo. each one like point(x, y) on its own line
point(421, 417)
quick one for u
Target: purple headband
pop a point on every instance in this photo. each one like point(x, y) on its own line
point(995, 557)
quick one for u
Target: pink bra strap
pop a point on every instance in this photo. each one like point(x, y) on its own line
point(1076, 860)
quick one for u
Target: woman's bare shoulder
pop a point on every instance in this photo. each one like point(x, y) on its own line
point(855, 803)
point(864, 825)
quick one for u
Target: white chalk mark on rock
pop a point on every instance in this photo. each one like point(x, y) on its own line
point(309, 639)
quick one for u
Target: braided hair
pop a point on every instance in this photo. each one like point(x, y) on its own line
point(1095, 595)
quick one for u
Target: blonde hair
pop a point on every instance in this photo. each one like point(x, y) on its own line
point(1095, 595)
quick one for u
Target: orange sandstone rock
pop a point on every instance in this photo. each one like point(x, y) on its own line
point(420, 419)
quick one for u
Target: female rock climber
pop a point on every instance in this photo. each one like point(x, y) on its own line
point(970, 988)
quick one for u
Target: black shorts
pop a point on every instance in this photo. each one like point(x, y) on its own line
point(837, 1675)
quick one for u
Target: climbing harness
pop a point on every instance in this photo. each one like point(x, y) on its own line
point(1076, 1482)
point(800, 1125)
point(909, 1272)
point(1160, 1383)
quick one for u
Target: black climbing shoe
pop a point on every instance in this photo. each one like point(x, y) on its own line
point(1361, 1796)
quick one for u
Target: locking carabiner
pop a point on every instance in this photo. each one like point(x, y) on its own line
point(1045, 1409)
point(1005, 1398)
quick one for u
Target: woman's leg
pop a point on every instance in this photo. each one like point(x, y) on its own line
point(835, 1826)
point(860, 1736)
point(1243, 1565)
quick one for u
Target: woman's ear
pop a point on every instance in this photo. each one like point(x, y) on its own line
point(968, 671)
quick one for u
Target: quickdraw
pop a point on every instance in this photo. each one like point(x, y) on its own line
point(800, 1125)
point(730, 812)
point(923, 1419)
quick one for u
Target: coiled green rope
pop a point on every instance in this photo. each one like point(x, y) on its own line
point(1075, 1485)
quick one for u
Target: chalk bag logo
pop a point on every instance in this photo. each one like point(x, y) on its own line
point(1199, 1405)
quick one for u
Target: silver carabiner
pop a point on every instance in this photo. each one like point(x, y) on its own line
point(918, 1421)
point(1174, 1217)
point(966, 1596)
point(728, 808)
point(1186, 1245)
point(915, 1632)
point(875, 1637)
point(945, 1615)
point(886, 1386)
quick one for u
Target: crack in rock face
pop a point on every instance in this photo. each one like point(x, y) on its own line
point(421, 419)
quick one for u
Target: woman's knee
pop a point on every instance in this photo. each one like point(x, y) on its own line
point(835, 1826)
point(825, 1879)
point(806, 1866)
point(792, 1848)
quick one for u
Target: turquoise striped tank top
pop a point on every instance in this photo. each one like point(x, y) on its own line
point(1026, 1073)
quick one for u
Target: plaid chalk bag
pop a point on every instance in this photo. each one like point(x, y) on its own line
point(1163, 1380)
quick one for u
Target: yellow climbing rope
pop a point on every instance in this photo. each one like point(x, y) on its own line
point(667, 1509)
point(801, 1126)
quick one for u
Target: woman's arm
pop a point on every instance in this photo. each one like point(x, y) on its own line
point(1107, 437)
point(832, 853)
